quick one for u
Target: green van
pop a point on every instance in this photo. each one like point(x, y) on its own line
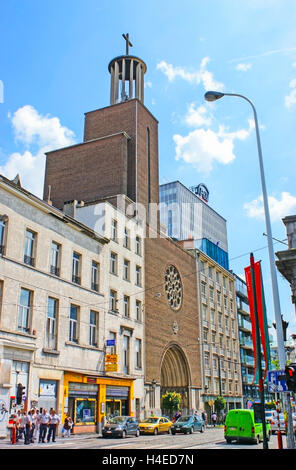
point(240, 426)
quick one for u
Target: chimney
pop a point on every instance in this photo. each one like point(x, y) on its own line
point(70, 208)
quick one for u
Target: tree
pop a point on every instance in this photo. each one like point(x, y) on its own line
point(171, 401)
point(219, 404)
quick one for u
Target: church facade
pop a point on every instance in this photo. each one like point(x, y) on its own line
point(118, 162)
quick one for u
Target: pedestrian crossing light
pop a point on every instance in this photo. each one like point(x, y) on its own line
point(290, 372)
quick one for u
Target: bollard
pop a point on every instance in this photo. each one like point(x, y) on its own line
point(13, 434)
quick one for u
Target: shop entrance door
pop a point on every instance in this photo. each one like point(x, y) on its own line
point(113, 408)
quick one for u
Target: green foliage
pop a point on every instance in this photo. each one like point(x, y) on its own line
point(171, 401)
point(220, 404)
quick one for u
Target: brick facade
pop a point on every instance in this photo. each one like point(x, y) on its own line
point(159, 254)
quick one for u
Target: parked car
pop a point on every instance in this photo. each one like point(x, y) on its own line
point(240, 426)
point(155, 425)
point(121, 426)
point(188, 424)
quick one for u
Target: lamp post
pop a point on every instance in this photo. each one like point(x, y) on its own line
point(214, 96)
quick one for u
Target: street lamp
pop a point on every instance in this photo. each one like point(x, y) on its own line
point(214, 96)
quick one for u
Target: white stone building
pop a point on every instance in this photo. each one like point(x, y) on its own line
point(57, 313)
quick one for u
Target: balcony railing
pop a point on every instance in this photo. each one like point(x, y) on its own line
point(29, 260)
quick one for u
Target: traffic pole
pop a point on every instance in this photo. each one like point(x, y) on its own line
point(279, 434)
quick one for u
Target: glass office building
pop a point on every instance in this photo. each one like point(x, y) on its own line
point(188, 216)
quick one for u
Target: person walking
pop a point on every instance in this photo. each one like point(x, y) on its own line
point(68, 423)
point(53, 424)
point(21, 424)
point(205, 418)
point(214, 419)
point(44, 421)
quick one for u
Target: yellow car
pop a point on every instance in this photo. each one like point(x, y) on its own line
point(155, 425)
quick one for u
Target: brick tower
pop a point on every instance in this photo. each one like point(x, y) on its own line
point(119, 156)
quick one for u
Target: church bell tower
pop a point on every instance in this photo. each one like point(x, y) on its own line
point(127, 76)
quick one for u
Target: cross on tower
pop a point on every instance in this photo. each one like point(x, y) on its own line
point(128, 43)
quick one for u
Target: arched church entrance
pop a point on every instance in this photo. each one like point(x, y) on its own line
point(175, 375)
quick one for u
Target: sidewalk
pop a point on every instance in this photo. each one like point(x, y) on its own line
point(4, 443)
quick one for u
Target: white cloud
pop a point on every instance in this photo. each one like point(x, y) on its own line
point(243, 67)
point(290, 99)
point(278, 208)
point(202, 148)
point(43, 133)
point(198, 117)
point(202, 75)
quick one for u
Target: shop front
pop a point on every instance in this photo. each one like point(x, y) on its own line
point(90, 400)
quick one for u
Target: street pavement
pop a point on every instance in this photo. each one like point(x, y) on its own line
point(212, 438)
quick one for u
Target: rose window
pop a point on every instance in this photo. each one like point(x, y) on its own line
point(173, 287)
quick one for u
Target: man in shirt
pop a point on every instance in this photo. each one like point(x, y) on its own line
point(53, 424)
point(44, 422)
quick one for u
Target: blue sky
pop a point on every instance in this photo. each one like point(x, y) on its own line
point(53, 68)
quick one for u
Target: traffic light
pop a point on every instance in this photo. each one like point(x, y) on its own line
point(19, 394)
point(290, 372)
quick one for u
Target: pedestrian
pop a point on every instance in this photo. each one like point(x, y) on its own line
point(36, 420)
point(214, 419)
point(21, 424)
point(44, 421)
point(53, 424)
point(205, 418)
point(68, 423)
point(28, 427)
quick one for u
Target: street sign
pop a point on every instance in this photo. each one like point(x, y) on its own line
point(277, 381)
point(112, 358)
point(111, 367)
point(110, 342)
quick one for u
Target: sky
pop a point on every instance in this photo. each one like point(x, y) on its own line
point(54, 67)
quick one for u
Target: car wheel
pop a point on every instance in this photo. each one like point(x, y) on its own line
point(228, 441)
point(173, 432)
point(137, 433)
point(155, 432)
point(123, 434)
point(257, 440)
point(202, 429)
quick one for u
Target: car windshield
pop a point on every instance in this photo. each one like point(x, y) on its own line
point(150, 420)
point(184, 419)
point(117, 420)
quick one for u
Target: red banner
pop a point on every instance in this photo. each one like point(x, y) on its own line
point(252, 315)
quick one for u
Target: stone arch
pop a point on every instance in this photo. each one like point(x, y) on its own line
point(175, 374)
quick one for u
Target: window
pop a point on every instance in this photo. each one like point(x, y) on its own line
point(204, 312)
point(113, 263)
point(210, 272)
point(52, 308)
point(95, 272)
point(114, 230)
point(55, 259)
point(211, 291)
point(217, 277)
point(93, 327)
point(126, 306)
point(138, 276)
point(138, 246)
point(113, 301)
point(126, 238)
point(138, 354)
point(202, 267)
point(126, 270)
point(76, 268)
point(203, 289)
point(24, 312)
point(3, 227)
point(73, 327)
point(138, 310)
point(126, 354)
point(30, 239)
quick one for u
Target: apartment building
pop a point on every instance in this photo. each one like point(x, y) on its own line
point(57, 318)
